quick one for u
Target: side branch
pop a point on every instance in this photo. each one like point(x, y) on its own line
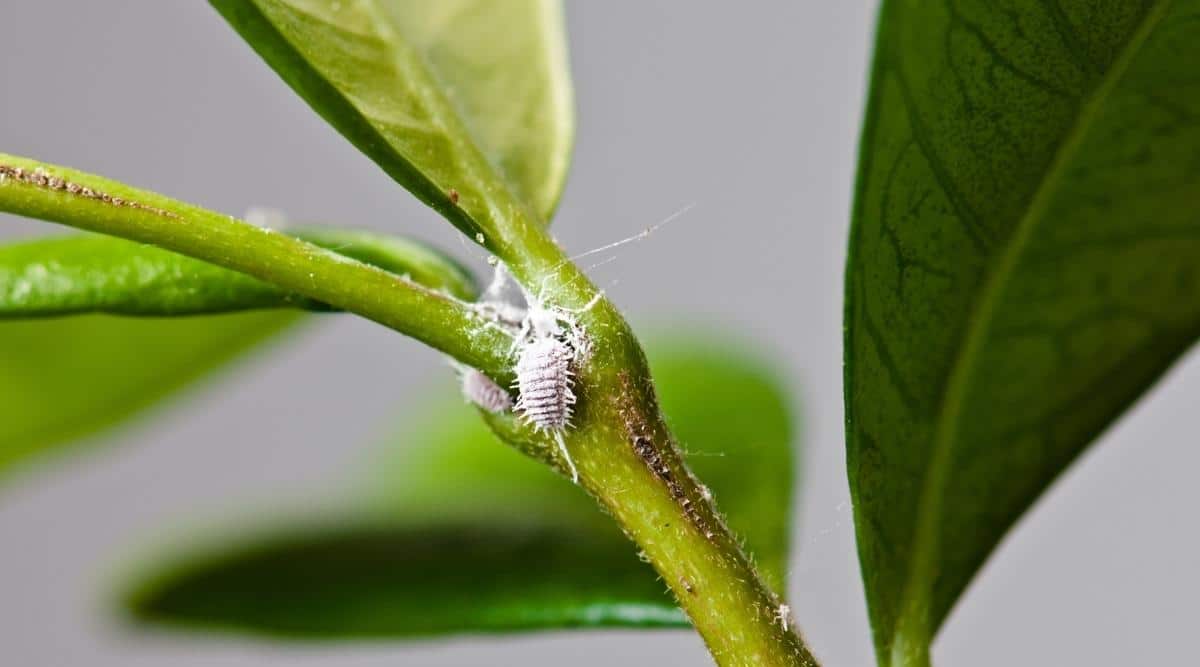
point(89, 202)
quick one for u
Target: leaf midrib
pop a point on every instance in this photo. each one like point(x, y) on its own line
point(915, 599)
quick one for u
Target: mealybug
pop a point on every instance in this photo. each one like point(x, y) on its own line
point(549, 346)
point(784, 615)
point(545, 383)
point(480, 390)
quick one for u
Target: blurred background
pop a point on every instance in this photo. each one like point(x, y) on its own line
point(749, 111)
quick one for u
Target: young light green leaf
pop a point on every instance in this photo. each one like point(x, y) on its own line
point(467, 103)
point(103, 274)
point(467, 535)
point(1023, 266)
point(65, 378)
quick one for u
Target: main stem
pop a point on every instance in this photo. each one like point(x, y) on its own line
point(629, 461)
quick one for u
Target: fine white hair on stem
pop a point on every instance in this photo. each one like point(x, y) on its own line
point(606, 260)
point(266, 217)
point(503, 289)
point(500, 279)
point(629, 239)
point(784, 615)
point(640, 235)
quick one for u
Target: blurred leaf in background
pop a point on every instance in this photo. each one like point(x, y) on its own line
point(467, 535)
point(63, 379)
point(67, 372)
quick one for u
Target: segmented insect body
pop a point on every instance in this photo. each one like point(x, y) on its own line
point(545, 382)
point(480, 390)
point(549, 346)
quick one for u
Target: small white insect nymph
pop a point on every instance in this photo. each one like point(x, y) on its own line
point(784, 615)
point(545, 383)
point(480, 390)
point(544, 379)
point(549, 345)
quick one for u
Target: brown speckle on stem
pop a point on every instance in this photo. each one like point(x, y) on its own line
point(42, 179)
point(641, 439)
point(687, 585)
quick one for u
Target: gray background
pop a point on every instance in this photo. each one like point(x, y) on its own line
point(749, 110)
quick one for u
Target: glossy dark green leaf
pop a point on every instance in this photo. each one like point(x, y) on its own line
point(1024, 264)
point(469, 536)
point(102, 274)
point(65, 378)
point(459, 101)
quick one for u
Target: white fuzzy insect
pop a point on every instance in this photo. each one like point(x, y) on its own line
point(784, 615)
point(548, 345)
point(483, 392)
point(545, 385)
point(545, 382)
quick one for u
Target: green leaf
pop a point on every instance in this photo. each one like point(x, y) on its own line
point(1023, 265)
point(103, 274)
point(65, 378)
point(467, 535)
point(62, 379)
point(464, 102)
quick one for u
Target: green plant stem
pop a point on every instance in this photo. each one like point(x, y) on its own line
point(628, 460)
point(70, 197)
